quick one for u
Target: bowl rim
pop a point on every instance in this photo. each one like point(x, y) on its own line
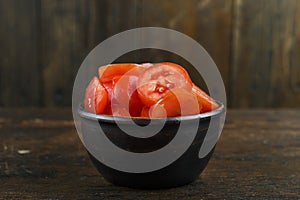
point(113, 119)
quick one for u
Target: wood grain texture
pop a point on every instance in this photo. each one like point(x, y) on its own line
point(204, 22)
point(63, 45)
point(294, 50)
point(257, 157)
point(208, 22)
point(255, 44)
point(96, 22)
point(265, 65)
point(19, 70)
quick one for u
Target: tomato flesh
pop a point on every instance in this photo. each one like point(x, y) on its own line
point(121, 112)
point(176, 102)
point(208, 104)
point(145, 90)
point(157, 80)
point(108, 72)
point(180, 68)
point(109, 88)
point(95, 99)
point(145, 112)
point(126, 96)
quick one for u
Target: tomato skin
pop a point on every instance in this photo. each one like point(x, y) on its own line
point(147, 65)
point(126, 96)
point(110, 75)
point(145, 112)
point(158, 79)
point(169, 105)
point(109, 88)
point(108, 72)
point(95, 99)
point(135, 105)
point(181, 69)
point(145, 90)
point(208, 103)
point(121, 112)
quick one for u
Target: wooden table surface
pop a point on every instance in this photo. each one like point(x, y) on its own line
point(41, 157)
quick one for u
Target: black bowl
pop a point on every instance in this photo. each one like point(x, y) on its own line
point(185, 169)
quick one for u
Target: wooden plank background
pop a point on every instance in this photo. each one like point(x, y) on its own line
point(255, 44)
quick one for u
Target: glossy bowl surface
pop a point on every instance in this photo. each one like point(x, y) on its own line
point(182, 171)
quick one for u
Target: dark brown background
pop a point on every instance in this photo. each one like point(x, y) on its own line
point(255, 44)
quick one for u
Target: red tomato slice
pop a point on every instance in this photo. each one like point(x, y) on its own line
point(95, 99)
point(121, 112)
point(145, 112)
point(157, 80)
point(147, 65)
point(169, 105)
point(126, 96)
point(108, 72)
point(135, 105)
point(109, 86)
point(180, 68)
point(208, 103)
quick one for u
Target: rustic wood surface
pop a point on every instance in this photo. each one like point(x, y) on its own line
point(19, 53)
point(41, 157)
point(255, 44)
point(265, 44)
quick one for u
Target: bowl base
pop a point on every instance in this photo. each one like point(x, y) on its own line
point(174, 175)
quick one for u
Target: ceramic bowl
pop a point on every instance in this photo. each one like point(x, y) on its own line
point(185, 169)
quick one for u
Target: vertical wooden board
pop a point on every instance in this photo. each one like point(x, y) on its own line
point(265, 53)
point(294, 53)
point(19, 72)
point(107, 18)
point(286, 47)
point(122, 15)
point(250, 53)
point(206, 21)
point(64, 45)
point(96, 22)
point(177, 15)
point(213, 32)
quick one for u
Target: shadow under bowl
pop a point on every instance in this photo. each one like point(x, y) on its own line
point(185, 169)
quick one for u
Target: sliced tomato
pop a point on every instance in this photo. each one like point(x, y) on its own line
point(176, 102)
point(108, 72)
point(158, 79)
point(121, 112)
point(109, 86)
point(147, 65)
point(126, 96)
point(95, 98)
point(145, 112)
point(208, 103)
point(180, 68)
point(135, 104)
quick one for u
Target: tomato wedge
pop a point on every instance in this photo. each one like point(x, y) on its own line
point(180, 68)
point(158, 79)
point(126, 96)
point(121, 112)
point(169, 105)
point(208, 104)
point(147, 65)
point(108, 72)
point(109, 86)
point(145, 112)
point(95, 98)
point(145, 90)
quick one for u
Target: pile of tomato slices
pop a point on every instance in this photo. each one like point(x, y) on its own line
point(145, 90)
